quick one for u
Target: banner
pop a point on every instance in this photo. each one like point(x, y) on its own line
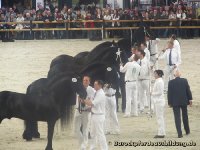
point(114, 4)
point(38, 3)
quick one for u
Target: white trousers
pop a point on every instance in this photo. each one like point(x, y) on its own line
point(153, 61)
point(97, 132)
point(111, 121)
point(159, 110)
point(131, 98)
point(168, 75)
point(144, 94)
point(81, 128)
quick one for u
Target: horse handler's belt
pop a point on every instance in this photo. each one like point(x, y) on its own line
point(108, 95)
point(153, 54)
point(131, 81)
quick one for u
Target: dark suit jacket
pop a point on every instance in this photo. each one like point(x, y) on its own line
point(179, 92)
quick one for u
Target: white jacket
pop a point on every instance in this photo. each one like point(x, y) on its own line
point(158, 92)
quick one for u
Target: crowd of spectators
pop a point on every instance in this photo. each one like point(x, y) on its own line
point(179, 15)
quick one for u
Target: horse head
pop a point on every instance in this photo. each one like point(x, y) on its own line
point(112, 76)
point(78, 87)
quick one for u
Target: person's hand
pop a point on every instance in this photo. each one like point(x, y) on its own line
point(88, 102)
point(190, 103)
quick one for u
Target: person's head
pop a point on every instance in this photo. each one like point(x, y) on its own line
point(20, 15)
point(134, 49)
point(177, 73)
point(158, 74)
point(28, 15)
point(86, 81)
point(136, 58)
point(143, 46)
point(170, 44)
point(173, 37)
point(141, 54)
point(98, 84)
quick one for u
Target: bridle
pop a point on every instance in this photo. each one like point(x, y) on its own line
point(118, 53)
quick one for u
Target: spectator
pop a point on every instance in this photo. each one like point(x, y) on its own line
point(20, 19)
point(28, 34)
point(106, 17)
point(48, 18)
point(115, 17)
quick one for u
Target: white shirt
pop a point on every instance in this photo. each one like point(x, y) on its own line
point(147, 54)
point(153, 46)
point(109, 91)
point(178, 48)
point(131, 70)
point(158, 91)
point(131, 58)
point(90, 95)
point(108, 17)
point(99, 102)
point(145, 69)
point(175, 57)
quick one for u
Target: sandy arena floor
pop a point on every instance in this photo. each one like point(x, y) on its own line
point(22, 62)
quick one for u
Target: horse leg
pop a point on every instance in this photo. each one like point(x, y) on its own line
point(27, 132)
point(34, 129)
point(51, 125)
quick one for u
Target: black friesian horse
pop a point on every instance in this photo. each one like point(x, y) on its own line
point(46, 100)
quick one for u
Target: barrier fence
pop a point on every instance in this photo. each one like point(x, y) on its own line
point(132, 25)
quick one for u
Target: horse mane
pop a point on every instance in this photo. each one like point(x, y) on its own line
point(100, 53)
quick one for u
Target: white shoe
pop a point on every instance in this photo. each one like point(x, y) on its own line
point(134, 115)
point(127, 116)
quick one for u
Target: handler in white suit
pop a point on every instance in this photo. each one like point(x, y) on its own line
point(111, 121)
point(176, 45)
point(98, 117)
point(152, 45)
point(144, 82)
point(131, 70)
point(143, 46)
point(81, 119)
point(173, 60)
point(159, 102)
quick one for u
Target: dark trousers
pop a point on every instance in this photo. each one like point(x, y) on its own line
point(177, 117)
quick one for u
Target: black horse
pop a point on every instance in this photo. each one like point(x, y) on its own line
point(46, 100)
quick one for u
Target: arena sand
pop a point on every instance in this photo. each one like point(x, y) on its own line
point(22, 62)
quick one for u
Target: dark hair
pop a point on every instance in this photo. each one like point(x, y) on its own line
point(87, 77)
point(173, 36)
point(159, 72)
point(100, 82)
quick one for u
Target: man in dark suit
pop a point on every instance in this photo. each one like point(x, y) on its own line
point(179, 96)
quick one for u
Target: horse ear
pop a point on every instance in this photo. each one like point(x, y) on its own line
point(109, 69)
point(74, 80)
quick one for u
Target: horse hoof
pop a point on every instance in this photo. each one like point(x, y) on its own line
point(36, 135)
point(27, 137)
point(48, 148)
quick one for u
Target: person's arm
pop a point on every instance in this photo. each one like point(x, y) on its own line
point(163, 55)
point(123, 69)
point(169, 94)
point(189, 93)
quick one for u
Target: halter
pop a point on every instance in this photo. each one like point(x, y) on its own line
point(118, 53)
